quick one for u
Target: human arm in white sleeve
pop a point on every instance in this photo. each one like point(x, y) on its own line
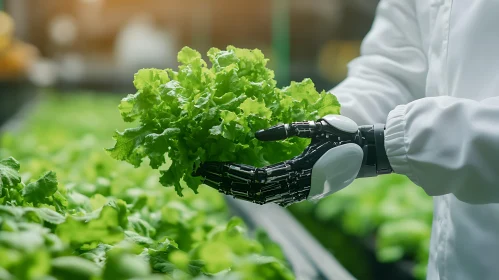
point(447, 145)
point(392, 67)
point(443, 144)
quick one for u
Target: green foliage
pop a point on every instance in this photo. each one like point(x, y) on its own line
point(40, 189)
point(9, 173)
point(390, 208)
point(71, 267)
point(101, 219)
point(202, 113)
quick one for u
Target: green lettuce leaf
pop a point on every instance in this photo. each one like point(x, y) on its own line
point(44, 187)
point(71, 267)
point(104, 228)
point(9, 173)
point(210, 113)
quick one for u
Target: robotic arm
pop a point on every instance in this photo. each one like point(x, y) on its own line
point(339, 152)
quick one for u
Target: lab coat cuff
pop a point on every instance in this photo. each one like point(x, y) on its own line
point(396, 144)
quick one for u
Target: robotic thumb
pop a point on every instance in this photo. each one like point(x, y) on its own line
point(335, 170)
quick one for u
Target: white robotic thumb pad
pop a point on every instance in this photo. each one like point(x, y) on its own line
point(336, 169)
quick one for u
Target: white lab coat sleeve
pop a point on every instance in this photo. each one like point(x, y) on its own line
point(391, 69)
point(447, 145)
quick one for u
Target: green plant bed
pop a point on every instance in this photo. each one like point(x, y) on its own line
point(70, 211)
point(385, 219)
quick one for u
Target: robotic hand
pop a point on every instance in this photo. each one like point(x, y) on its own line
point(339, 152)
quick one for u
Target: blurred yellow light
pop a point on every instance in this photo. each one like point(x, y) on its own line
point(16, 60)
point(334, 57)
point(6, 30)
point(90, 1)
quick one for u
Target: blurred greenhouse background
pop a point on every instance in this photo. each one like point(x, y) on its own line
point(377, 229)
point(100, 43)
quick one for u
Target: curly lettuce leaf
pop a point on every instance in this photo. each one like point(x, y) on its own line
point(202, 113)
point(9, 173)
point(40, 189)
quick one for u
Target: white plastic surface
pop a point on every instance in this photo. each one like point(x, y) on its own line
point(342, 123)
point(336, 169)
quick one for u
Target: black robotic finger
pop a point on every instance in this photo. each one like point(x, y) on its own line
point(283, 131)
point(240, 172)
point(282, 183)
point(311, 155)
point(213, 174)
point(213, 180)
point(316, 151)
point(210, 168)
